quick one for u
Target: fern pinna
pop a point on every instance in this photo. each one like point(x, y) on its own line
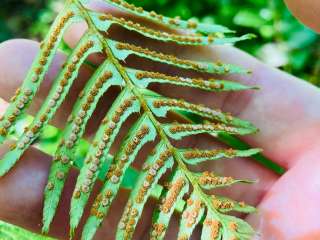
point(184, 188)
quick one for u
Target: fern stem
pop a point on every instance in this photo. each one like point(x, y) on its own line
point(41, 145)
point(144, 105)
point(232, 141)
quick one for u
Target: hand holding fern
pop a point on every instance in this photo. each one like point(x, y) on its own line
point(270, 109)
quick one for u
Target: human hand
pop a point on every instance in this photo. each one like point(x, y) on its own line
point(285, 110)
point(307, 11)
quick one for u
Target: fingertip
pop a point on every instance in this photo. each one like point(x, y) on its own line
point(291, 202)
point(74, 33)
point(12, 43)
point(307, 11)
point(101, 6)
point(15, 59)
point(3, 106)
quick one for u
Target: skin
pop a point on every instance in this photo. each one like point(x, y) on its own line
point(307, 11)
point(285, 109)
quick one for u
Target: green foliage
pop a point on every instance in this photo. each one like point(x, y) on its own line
point(151, 108)
point(282, 41)
point(25, 18)
point(11, 232)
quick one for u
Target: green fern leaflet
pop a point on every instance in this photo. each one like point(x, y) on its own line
point(185, 189)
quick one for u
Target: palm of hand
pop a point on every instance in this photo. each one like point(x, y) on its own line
point(285, 110)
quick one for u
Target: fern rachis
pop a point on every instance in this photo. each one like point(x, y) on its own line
point(208, 210)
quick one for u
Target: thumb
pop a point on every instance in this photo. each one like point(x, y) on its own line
point(307, 11)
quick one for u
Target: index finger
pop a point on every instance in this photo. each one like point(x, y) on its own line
point(307, 11)
point(285, 109)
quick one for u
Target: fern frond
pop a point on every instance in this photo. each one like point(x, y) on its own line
point(144, 78)
point(202, 206)
point(196, 156)
point(12, 232)
point(160, 106)
point(30, 86)
point(81, 113)
point(122, 50)
point(224, 205)
point(212, 228)
point(104, 21)
point(174, 23)
point(154, 168)
point(177, 130)
point(191, 217)
point(178, 187)
point(89, 44)
point(208, 180)
point(142, 132)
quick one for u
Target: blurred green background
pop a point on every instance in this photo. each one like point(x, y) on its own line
point(282, 41)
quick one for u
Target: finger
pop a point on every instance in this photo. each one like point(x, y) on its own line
point(237, 168)
point(24, 185)
point(16, 57)
point(291, 209)
point(285, 109)
point(306, 11)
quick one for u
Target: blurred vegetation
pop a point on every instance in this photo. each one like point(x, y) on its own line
point(281, 40)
